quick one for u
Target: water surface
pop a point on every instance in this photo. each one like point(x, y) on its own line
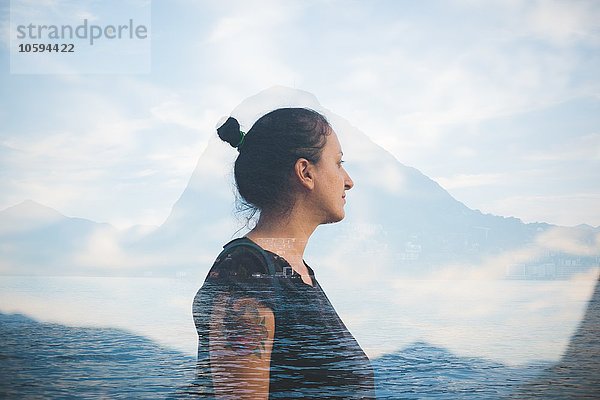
point(135, 337)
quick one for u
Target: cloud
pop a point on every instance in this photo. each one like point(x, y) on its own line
point(182, 112)
point(570, 242)
point(245, 47)
point(106, 250)
point(5, 25)
point(559, 23)
point(470, 180)
point(496, 266)
point(102, 250)
point(420, 81)
point(120, 303)
point(496, 319)
point(489, 66)
point(562, 209)
point(415, 82)
point(565, 22)
point(582, 148)
point(472, 311)
point(102, 146)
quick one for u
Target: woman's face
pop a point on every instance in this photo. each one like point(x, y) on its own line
point(331, 181)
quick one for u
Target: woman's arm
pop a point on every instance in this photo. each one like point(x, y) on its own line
point(240, 344)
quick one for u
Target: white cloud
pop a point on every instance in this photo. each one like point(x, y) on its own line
point(104, 147)
point(565, 240)
point(563, 22)
point(102, 250)
point(562, 209)
point(244, 47)
point(470, 180)
point(456, 306)
point(406, 78)
point(407, 97)
point(582, 148)
point(5, 30)
point(115, 303)
point(496, 266)
point(178, 111)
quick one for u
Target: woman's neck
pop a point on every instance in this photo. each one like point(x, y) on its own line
point(286, 237)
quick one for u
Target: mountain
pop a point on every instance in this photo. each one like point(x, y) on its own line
point(36, 239)
point(397, 219)
point(398, 222)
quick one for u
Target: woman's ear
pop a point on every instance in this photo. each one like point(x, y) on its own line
point(304, 171)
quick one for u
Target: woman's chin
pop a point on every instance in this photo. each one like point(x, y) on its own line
point(336, 218)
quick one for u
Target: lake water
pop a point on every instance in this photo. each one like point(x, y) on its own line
point(426, 338)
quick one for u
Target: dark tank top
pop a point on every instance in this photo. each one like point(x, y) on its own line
point(313, 354)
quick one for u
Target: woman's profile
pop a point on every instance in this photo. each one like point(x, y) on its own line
point(265, 327)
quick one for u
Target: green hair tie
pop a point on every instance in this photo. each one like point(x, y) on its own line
point(242, 136)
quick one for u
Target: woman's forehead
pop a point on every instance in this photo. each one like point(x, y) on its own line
point(333, 144)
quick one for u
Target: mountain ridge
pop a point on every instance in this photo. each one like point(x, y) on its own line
point(396, 217)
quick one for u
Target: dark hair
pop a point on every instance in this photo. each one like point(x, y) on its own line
point(268, 153)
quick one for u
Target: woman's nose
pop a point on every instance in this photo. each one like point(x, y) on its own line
point(348, 182)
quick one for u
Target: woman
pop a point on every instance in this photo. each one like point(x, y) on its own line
point(266, 328)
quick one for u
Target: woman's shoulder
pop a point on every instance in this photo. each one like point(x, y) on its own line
point(241, 261)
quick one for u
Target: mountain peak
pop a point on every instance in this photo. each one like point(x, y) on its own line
point(26, 215)
point(253, 107)
point(32, 209)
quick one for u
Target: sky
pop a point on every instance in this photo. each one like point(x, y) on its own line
point(498, 101)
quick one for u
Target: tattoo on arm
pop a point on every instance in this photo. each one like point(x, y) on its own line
point(242, 327)
point(245, 329)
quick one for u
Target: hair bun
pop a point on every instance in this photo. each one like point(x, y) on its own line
point(229, 131)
